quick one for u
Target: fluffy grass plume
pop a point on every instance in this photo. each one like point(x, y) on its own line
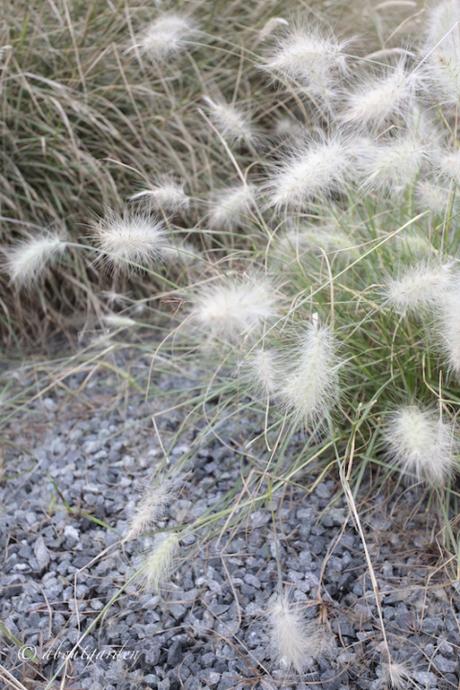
point(150, 508)
point(229, 206)
point(288, 635)
point(414, 246)
point(433, 195)
point(26, 261)
point(442, 48)
point(231, 122)
point(295, 642)
point(309, 57)
point(420, 286)
point(165, 36)
point(398, 675)
point(118, 321)
point(304, 240)
point(391, 165)
point(376, 100)
point(421, 444)
point(157, 567)
point(234, 307)
point(449, 325)
point(130, 240)
point(310, 171)
point(179, 254)
point(167, 195)
point(262, 367)
point(449, 166)
point(309, 384)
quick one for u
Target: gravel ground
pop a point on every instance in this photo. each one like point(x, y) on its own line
point(75, 464)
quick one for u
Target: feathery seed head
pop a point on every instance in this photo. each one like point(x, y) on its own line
point(231, 122)
point(168, 34)
point(157, 567)
point(442, 49)
point(376, 100)
point(310, 58)
point(27, 260)
point(414, 244)
point(432, 196)
point(441, 19)
point(270, 26)
point(288, 635)
point(235, 307)
point(419, 287)
point(293, 244)
point(396, 675)
point(450, 325)
point(118, 321)
point(296, 643)
point(310, 385)
point(113, 297)
point(310, 171)
point(263, 370)
point(287, 127)
point(229, 206)
point(130, 240)
point(391, 165)
point(182, 253)
point(168, 195)
point(449, 165)
point(151, 507)
point(422, 444)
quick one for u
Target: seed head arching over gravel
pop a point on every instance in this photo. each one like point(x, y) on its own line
point(422, 444)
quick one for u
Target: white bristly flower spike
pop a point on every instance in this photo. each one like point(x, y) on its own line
point(150, 509)
point(295, 642)
point(398, 675)
point(309, 385)
point(130, 240)
point(168, 34)
point(441, 19)
point(229, 206)
point(287, 127)
point(234, 307)
point(433, 196)
point(450, 325)
point(310, 171)
point(391, 165)
point(378, 99)
point(421, 286)
point(448, 164)
point(295, 243)
point(26, 261)
point(119, 321)
point(442, 51)
point(157, 567)
point(262, 367)
point(421, 444)
point(233, 124)
point(310, 58)
point(288, 635)
point(270, 26)
point(168, 195)
point(180, 254)
point(414, 244)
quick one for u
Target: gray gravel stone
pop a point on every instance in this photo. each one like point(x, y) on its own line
point(41, 552)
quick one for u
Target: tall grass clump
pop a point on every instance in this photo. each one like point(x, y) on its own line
point(284, 203)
